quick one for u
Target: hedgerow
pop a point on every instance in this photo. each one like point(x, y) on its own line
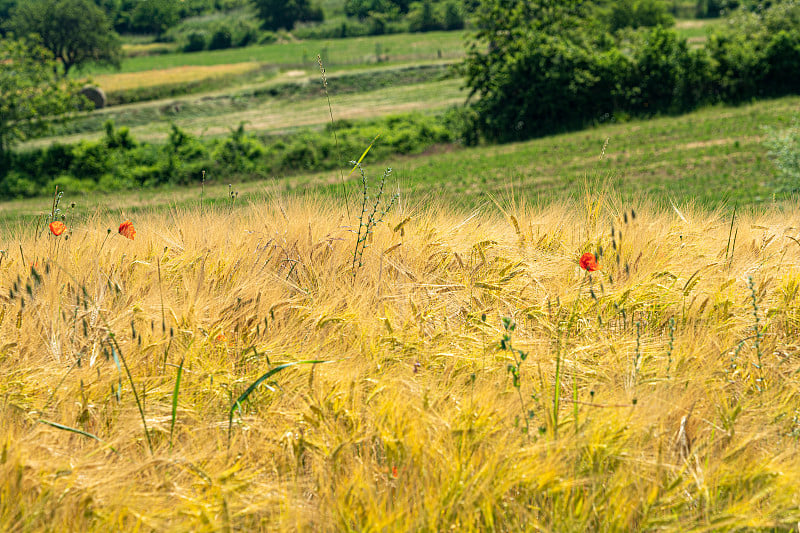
point(118, 161)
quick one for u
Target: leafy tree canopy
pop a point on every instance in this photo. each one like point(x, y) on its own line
point(75, 32)
point(155, 16)
point(284, 14)
point(32, 92)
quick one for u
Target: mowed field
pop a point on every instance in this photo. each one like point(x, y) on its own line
point(276, 115)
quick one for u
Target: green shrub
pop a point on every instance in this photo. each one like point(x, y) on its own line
point(300, 155)
point(422, 17)
point(118, 161)
point(239, 152)
point(221, 39)
point(267, 37)
point(668, 77)
point(70, 184)
point(118, 138)
point(784, 150)
point(782, 57)
point(196, 41)
point(639, 13)
point(114, 182)
point(55, 159)
point(452, 17)
point(91, 159)
point(540, 75)
point(17, 185)
point(461, 122)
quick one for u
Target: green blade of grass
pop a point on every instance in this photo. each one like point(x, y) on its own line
point(78, 431)
point(175, 402)
point(360, 159)
point(258, 382)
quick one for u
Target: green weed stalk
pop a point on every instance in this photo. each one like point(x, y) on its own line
point(368, 221)
point(519, 357)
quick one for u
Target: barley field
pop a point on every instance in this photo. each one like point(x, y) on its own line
point(379, 365)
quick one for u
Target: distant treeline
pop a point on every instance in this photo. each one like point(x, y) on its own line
point(561, 75)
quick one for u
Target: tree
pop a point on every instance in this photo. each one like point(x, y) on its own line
point(522, 51)
point(75, 32)
point(32, 92)
point(277, 14)
point(638, 13)
point(155, 16)
point(422, 18)
point(6, 6)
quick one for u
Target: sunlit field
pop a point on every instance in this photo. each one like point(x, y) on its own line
point(300, 364)
point(150, 78)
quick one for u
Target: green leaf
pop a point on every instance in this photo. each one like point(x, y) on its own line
point(175, 402)
point(360, 159)
point(258, 382)
point(78, 431)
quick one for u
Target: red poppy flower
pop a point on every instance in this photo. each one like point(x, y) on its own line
point(221, 338)
point(588, 262)
point(126, 230)
point(394, 472)
point(57, 228)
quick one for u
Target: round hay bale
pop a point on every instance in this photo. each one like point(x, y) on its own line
point(95, 95)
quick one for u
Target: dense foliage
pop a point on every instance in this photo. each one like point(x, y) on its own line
point(118, 161)
point(425, 15)
point(32, 92)
point(784, 150)
point(75, 32)
point(284, 14)
point(533, 68)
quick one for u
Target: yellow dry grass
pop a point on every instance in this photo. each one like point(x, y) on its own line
point(414, 424)
point(169, 76)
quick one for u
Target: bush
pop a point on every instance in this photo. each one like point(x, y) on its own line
point(196, 41)
point(782, 57)
point(452, 18)
point(784, 150)
point(422, 17)
point(16, 185)
point(639, 13)
point(267, 37)
point(219, 31)
point(221, 39)
point(55, 159)
point(118, 161)
point(238, 152)
point(461, 122)
point(669, 77)
point(737, 70)
point(559, 76)
point(69, 184)
point(91, 159)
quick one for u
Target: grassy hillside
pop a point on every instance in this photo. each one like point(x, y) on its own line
point(713, 157)
point(655, 393)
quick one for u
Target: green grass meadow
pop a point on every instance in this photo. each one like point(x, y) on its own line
point(349, 52)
